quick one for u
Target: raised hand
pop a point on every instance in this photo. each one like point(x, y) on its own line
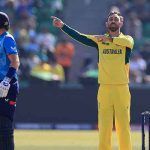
point(57, 22)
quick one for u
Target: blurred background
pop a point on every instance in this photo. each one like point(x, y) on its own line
point(58, 76)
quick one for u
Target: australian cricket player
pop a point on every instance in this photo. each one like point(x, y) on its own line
point(9, 63)
point(114, 50)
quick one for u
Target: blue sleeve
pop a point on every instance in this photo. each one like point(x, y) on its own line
point(10, 45)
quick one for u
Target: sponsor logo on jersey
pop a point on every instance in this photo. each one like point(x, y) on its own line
point(104, 43)
point(112, 51)
point(13, 48)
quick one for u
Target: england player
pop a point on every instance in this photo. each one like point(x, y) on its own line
point(114, 50)
point(9, 63)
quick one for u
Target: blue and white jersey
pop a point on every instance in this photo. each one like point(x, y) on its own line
point(7, 47)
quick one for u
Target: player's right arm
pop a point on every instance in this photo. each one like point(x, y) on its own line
point(12, 54)
point(88, 40)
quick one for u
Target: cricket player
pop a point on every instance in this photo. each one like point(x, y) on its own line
point(9, 63)
point(114, 50)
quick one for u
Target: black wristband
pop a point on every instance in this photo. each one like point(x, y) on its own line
point(11, 72)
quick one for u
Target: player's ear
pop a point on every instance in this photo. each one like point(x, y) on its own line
point(121, 21)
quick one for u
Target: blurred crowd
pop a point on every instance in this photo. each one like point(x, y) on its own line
point(45, 57)
point(137, 24)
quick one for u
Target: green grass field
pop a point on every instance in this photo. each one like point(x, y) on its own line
point(65, 140)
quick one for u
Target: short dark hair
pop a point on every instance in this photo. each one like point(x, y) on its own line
point(114, 12)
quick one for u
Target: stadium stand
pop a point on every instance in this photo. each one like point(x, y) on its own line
point(37, 38)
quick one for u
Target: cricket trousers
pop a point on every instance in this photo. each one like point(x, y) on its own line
point(7, 109)
point(114, 103)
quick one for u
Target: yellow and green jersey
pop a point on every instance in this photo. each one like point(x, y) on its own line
point(114, 56)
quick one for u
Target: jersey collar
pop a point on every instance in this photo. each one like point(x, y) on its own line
point(3, 34)
point(108, 35)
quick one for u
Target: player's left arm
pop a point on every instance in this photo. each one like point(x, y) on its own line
point(126, 41)
point(12, 54)
point(14, 59)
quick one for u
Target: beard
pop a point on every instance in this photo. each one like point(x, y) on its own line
point(113, 27)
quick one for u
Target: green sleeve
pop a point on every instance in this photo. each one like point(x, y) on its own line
point(82, 38)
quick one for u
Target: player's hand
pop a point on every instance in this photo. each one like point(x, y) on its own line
point(57, 22)
point(4, 87)
point(103, 38)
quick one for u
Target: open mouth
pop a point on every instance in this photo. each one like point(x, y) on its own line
point(113, 24)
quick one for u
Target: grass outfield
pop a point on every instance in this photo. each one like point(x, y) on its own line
point(65, 140)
